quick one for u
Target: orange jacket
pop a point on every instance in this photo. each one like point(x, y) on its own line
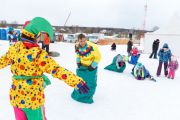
point(46, 40)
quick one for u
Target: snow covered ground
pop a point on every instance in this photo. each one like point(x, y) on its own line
point(118, 96)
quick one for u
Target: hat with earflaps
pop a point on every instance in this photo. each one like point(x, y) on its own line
point(165, 45)
point(11, 29)
point(35, 26)
point(139, 66)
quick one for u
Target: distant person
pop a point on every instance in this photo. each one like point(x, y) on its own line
point(164, 57)
point(11, 36)
point(61, 37)
point(46, 42)
point(54, 37)
point(88, 57)
point(155, 47)
point(130, 36)
point(129, 47)
point(173, 66)
point(15, 34)
point(113, 46)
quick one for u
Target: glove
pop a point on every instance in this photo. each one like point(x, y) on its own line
point(90, 68)
point(78, 64)
point(82, 88)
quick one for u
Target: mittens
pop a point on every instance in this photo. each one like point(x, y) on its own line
point(82, 88)
point(121, 64)
point(90, 68)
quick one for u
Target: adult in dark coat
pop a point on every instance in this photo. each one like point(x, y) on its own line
point(129, 47)
point(155, 47)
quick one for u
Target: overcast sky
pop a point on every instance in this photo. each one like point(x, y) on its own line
point(97, 13)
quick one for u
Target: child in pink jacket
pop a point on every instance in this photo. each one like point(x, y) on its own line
point(173, 66)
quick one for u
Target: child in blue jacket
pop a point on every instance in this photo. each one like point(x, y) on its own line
point(164, 57)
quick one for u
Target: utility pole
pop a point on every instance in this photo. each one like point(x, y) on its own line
point(144, 27)
point(145, 14)
point(67, 18)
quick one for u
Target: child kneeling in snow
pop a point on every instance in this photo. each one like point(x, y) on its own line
point(173, 66)
point(134, 55)
point(28, 65)
point(140, 72)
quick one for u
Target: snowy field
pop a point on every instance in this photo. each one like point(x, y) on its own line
point(118, 96)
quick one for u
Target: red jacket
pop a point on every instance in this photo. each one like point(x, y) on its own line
point(134, 52)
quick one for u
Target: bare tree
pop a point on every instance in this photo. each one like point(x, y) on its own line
point(14, 24)
point(87, 30)
point(3, 23)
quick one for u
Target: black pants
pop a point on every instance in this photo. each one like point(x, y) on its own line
point(45, 47)
point(153, 53)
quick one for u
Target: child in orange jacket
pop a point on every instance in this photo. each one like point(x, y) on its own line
point(46, 42)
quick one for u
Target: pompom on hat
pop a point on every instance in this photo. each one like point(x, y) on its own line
point(11, 29)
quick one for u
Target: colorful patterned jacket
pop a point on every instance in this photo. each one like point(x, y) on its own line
point(32, 62)
point(88, 55)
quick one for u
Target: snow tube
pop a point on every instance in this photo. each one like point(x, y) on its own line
point(113, 67)
point(91, 78)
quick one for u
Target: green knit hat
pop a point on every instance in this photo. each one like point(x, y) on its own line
point(139, 65)
point(36, 26)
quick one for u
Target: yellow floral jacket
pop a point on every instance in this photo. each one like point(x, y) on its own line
point(88, 55)
point(32, 62)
